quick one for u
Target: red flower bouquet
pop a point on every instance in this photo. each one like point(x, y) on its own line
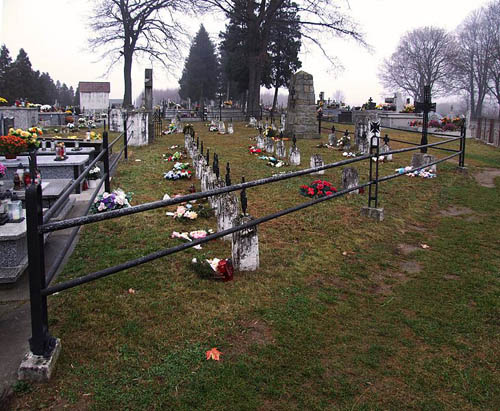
point(318, 188)
point(12, 145)
point(254, 150)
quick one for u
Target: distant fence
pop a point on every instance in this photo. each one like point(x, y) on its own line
point(485, 129)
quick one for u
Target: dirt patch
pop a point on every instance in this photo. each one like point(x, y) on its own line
point(487, 176)
point(406, 249)
point(453, 211)
point(452, 277)
point(411, 267)
point(251, 333)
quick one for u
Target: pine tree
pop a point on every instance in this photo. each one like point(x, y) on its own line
point(5, 80)
point(200, 74)
point(22, 76)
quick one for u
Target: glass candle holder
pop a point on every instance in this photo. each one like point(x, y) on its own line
point(77, 145)
point(15, 210)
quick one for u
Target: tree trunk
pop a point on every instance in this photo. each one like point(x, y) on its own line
point(275, 100)
point(127, 74)
point(254, 77)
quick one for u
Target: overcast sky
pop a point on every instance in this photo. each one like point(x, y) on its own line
point(54, 34)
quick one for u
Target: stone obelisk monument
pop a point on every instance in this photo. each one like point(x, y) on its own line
point(301, 119)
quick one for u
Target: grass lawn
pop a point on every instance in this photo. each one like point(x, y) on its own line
point(344, 313)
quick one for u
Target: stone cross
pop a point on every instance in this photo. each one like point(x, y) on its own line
point(317, 161)
point(426, 106)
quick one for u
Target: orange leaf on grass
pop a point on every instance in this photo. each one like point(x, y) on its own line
point(213, 354)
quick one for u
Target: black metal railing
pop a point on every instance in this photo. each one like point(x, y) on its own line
point(42, 342)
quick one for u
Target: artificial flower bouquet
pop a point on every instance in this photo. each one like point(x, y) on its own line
point(179, 171)
point(30, 136)
point(111, 201)
point(318, 188)
point(214, 268)
point(254, 150)
point(94, 173)
point(178, 155)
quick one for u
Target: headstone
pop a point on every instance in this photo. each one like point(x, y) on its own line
point(332, 139)
point(252, 122)
point(294, 157)
point(301, 118)
point(227, 211)
point(222, 127)
point(363, 144)
point(269, 145)
point(245, 246)
point(400, 103)
point(200, 163)
point(283, 122)
point(361, 120)
point(384, 148)
point(138, 127)
point(421, 159)
point(350, 179)
point(260, 142)
point(317, 161)
point(230, 129)
point(280, 149)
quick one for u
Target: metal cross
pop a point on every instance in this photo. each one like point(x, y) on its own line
point(426, 107)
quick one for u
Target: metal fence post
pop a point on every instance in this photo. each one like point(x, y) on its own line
point(463, 132)
point(320, 115)
point(41, 342)
point(105, 146)
point(125, 137)
point(373, 198)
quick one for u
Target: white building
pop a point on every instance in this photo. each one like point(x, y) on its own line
point(94, 97)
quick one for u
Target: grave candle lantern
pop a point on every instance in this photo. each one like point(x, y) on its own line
point(60, 151)
point(15, 210)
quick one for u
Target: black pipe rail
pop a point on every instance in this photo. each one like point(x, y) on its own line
point(42, 342)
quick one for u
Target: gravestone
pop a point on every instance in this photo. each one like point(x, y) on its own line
point(245, 246)
point(221, 127)
point(283, 122)
point(350, 179)
point(361, 120)
point(260, 142)
point(294, 157)
point(301, 118)
point(421, 159)
point(332, 139)
point(384, 148)
point(269, 145)
point(227, 211)
point(363, 143)
point(200, 163)
point(280, 149)
point(317, 161)
point(230, 128)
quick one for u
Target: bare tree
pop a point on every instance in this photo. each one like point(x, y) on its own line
point(126, 28)
point(424, 56)
point(318, 19)
point(474, 67)
point(492, 17)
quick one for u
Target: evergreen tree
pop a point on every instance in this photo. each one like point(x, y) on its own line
point(284, 47)
point(5, 81)
point(22, 76)
point(76, 100)
point(200, 74)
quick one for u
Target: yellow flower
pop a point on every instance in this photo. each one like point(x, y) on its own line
point(19, 131)
point(11, 130)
